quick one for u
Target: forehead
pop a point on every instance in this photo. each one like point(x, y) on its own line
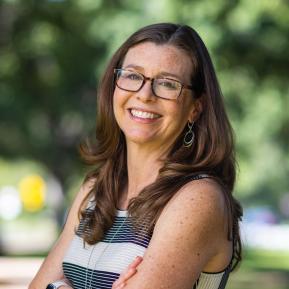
point(153, 59)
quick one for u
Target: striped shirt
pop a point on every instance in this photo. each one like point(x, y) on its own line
point(98, 266)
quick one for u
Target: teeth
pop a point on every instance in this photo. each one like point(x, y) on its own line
point(143, 114)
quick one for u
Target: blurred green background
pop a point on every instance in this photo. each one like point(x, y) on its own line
point(52, 54)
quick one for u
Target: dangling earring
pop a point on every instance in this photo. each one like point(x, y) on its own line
point(189, 136)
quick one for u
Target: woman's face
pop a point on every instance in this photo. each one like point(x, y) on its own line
point(144, 118)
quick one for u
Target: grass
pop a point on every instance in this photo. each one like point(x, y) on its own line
point(261, 269)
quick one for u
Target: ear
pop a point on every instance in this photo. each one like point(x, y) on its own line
point(196, 110)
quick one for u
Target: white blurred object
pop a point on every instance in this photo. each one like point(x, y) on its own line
point(54, 196)
point(265, 236)
point(10, 203)
point(32, 237)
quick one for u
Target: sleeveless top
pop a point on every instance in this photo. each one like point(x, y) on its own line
point(98, 266)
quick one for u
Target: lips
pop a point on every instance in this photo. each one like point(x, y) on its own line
point(143, 114)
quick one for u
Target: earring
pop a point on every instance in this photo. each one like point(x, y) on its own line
point(189, 136)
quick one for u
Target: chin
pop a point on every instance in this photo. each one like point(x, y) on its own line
point(139, 138)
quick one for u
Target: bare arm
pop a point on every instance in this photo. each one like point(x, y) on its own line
point(51, 268)
point(189, 237)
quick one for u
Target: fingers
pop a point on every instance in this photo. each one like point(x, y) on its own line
point(119, 287)
point(128, 273)
point(136, 262)
point(124, 277)
point(121, 281)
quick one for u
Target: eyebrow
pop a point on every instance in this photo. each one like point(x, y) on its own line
point(162, 73)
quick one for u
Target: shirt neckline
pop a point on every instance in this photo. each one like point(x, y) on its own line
point(121, 213)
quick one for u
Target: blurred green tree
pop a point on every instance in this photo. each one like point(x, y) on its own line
point(52, 54)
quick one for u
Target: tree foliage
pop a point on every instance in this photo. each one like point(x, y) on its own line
point(52, 54)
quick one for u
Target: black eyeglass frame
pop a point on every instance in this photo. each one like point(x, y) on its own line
point(152, 79)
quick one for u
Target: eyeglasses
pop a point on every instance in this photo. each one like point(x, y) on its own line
point(163, 87)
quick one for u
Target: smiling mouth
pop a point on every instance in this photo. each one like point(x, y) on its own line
point(143, 114)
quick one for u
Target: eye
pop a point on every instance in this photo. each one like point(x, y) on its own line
point(130, 75)
point(168, 84)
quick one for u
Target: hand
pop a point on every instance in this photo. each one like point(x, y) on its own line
point(128, 273)
point(65, 287)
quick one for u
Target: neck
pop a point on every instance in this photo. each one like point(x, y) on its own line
point(142, 167)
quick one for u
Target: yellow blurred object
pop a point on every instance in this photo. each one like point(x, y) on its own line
point(32, 192)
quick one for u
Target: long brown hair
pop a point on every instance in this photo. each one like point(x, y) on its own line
point(212, 152)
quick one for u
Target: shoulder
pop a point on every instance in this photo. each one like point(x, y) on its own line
point(86, 186)
point(84, 191)
point(80, 200)
point(206, 191)
point(203, 197)
point(197, 208)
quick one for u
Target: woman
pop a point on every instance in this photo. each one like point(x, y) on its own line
point(163, 176)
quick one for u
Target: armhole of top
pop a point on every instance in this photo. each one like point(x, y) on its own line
point(200, 176)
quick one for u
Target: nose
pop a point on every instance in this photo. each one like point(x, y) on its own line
point(145, 93)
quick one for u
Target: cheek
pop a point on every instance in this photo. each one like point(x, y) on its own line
point(117, 100)
point(180, 115)
point(178, 111)
point(176, 120)
point(119, 97)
